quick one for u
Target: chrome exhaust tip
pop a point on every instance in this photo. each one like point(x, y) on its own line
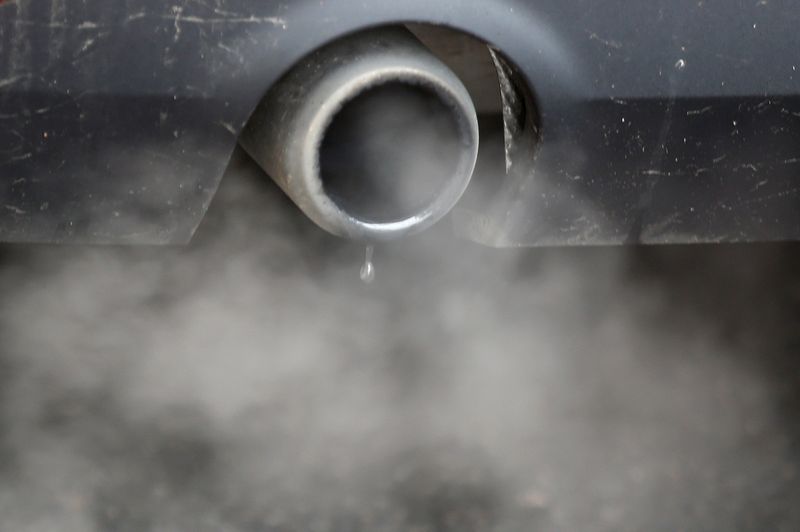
point(373, 137)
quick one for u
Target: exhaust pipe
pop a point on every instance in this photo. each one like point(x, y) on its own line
point(373, 137)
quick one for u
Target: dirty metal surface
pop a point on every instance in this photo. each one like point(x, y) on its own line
point(677, 122)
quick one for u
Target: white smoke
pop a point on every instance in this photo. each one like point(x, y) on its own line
point(251, 382)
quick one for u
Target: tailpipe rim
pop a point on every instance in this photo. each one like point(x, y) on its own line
point(337, 220)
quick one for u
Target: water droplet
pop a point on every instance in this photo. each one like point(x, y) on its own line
point(368, 269)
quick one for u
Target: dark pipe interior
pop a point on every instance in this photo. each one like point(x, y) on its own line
point(390, 151)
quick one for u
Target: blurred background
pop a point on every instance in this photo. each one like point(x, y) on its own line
point(252, 382)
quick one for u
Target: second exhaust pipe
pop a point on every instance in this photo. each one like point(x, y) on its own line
point(373, 137)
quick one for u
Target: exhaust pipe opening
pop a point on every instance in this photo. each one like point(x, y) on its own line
point(391, 152)
point(373, 137)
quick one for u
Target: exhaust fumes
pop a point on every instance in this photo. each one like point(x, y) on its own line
point(251, 382)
